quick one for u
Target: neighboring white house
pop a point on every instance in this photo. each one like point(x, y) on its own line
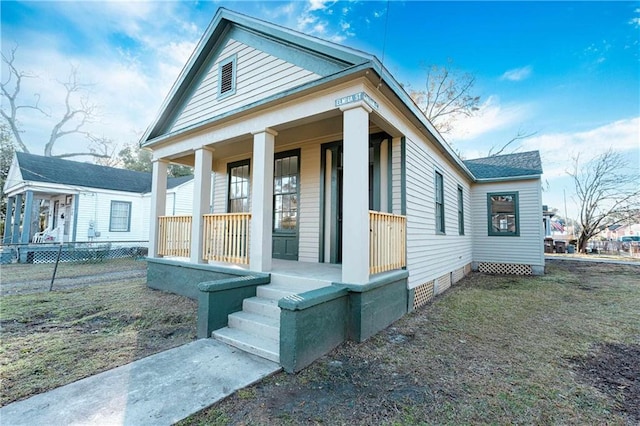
point(330, 184)
point(55, 200)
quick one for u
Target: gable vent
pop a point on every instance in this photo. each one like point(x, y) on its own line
point(226, 78)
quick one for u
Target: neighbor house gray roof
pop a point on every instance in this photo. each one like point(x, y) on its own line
point(520, 164)
point(37, 168)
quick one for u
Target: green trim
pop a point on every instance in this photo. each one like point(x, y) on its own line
point(246, 162)
point(375, 203)
point(460, 210)
point(76, 203)
point(335, 148)
point(111, 216)
point(321, 65)
point(403, 176)
point(439, 191)
point(26, 219)
point(8, 218)
point(231, 283)
point(490, 230)
point(233, 60)
point(285, 234)
point(390, 175)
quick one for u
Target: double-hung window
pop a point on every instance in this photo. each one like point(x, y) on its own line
point(120, 218)
point(439, 203)
point(460, 211)
point(503, 214)
point(238, 187)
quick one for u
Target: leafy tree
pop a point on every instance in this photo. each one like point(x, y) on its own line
point(133, 158)
point(77, 112)
point(607, 193)
point(446, 97)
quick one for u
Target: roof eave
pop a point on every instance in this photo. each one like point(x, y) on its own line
point(508, 178)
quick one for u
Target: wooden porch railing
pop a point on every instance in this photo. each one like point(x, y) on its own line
point(174, 237)
point(226, 237)
point(387, 238)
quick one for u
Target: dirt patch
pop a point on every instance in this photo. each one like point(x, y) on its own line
point(614, 369)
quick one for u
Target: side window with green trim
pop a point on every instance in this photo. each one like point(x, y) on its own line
point(439, 203)
point(502, 208)
point(460, 211)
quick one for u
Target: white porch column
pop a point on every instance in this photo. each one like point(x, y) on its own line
point(158, 202)
point(262, 200)
point(355, 196)
point(201, 200)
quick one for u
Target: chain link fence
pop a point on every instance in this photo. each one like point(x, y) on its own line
point(36, 267)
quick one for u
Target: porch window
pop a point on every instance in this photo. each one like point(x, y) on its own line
point(227, 77)
point(239, 175)
point(120, 219)
point(460, 211)
point(503, 214)
point(439, 204)
point(285, 192)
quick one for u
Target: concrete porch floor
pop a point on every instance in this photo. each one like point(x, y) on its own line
point(328, 272)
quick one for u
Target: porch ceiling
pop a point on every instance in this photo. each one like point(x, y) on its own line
point(325, 127)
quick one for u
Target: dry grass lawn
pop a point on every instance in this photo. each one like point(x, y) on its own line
point(49, 339)
point(558, 349)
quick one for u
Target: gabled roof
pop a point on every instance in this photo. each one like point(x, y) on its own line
point(353, 62)
point(36, 168)
point(518, 165)
point(224, 22)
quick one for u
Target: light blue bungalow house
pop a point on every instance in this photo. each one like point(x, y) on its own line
point(335, 207)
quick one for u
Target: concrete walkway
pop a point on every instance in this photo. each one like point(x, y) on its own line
point(157, 390)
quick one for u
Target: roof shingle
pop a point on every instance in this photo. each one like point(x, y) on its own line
point(65, 172)
point(506, 166)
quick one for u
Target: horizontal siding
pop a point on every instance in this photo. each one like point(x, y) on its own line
point(96, 207)
point(259, 75)
point(525, 249)
point(429, 255)
point(309, 239)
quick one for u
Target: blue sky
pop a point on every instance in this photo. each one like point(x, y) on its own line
point(568, 71)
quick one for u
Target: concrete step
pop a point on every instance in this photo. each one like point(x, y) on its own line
point(255, 324)
point(258, 305)
point(301, 284)
point(274, 292)
point(257, 345)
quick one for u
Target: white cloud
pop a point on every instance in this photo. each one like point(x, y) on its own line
point(635, 22)
point(517, 74)
point(558, 149)
point(491, 116)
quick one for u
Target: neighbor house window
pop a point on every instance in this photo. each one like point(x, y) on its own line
point(120, 219)
point(460, 211)
point(503, 213)
point(238, 187)
point(227, 77)
point(439, 204)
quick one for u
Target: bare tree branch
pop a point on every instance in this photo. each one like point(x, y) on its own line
point(78, 112)
point(606, 193)
point(518, 137)
point(446, 97)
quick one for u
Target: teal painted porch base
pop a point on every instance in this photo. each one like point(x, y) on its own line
point(315, 322)
point(222, 297)
point(183, 278)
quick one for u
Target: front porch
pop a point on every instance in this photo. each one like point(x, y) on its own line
point(226, 242)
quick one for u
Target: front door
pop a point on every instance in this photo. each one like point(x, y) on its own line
point(286, 180)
